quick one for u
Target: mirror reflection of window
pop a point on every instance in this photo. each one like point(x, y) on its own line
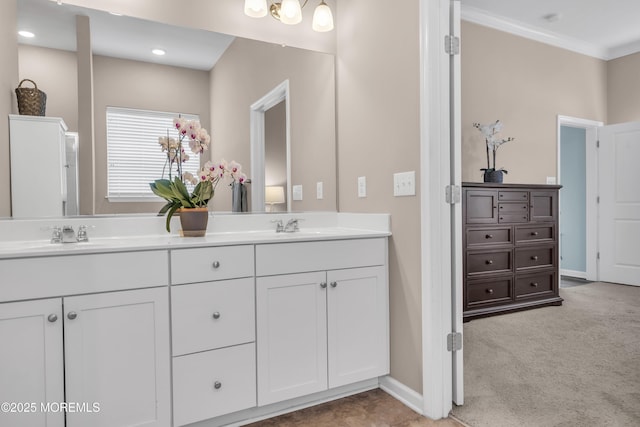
point(275, 151)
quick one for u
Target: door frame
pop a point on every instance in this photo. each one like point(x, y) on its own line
point(591, 139)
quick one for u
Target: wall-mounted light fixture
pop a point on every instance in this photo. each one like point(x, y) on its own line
point(290, 12)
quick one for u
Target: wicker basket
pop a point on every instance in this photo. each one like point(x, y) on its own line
point(31, 100)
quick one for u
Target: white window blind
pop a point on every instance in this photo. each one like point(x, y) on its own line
point(134, 157)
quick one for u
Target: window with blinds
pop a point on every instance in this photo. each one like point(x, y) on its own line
point(134, 157)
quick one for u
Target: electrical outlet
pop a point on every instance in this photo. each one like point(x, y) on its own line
point(362, 186)
point(404, 184)
point(551, 180)
point(297, 192)
point(319, 191)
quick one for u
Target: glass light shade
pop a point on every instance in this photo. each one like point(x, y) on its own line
point(322, 18)
point(290, 12)
point(255, 8)
point(274, 195)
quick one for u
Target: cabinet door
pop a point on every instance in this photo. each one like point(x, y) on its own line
point(481, 206)
point(31, 362)
point(358, 328)
point(291, 336)
point(543, 206)
point(117, 356)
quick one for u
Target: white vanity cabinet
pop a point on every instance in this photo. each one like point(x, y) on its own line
point(213, 332)
point(31, 362)
point(325, 327)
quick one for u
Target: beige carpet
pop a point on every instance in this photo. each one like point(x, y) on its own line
point(574, 365)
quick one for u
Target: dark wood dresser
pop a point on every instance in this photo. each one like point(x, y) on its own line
point(510, 239)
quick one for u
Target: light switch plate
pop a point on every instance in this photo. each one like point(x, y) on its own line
point(362, 186)
point(297, 192)
point(404, 184)
point(551, 180)
point(319, 191)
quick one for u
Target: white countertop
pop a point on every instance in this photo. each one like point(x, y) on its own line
point(123, 234)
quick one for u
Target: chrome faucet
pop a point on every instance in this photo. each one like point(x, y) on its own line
point(68, 235)
point(82, 234)
point(56, 235)
point(292, 226)
point(279, 225)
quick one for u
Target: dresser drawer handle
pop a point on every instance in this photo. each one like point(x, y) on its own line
point(524, 196)
point(217, 385)
point(534, 258)
point(216, 315)
point(490, 291)
point(501, 218)
point(489, 236)
point(489, 262)
point(534, 284)
point(524, 207)
point(534, 233)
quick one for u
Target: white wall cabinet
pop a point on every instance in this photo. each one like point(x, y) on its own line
point(323, 329)
point(31, 362)
point(116, 356)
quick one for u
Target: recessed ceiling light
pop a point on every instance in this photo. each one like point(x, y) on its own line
point(158, 52)
point(552, 17)
point(27, 34)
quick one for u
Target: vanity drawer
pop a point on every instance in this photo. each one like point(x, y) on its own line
point(488, 236)
point(488, 292)
point(534, 257)
point(213, 383)
point(285, 258)
point(513, 196)
point(541, 233)
point(495, 261)
point(211, 315)
point(534, 285)
point(206, 264)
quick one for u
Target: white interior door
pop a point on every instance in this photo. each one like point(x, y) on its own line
point(619, 224)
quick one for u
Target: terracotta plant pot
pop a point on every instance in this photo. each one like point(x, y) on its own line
point(193, 221)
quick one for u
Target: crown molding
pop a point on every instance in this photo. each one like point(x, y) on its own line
point(481, 17)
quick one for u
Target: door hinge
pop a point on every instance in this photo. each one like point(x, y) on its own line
point(598, 255)
point(598, 199)
point(454, 341)
point(452, 194)
point(451, 44)
point(598, 144)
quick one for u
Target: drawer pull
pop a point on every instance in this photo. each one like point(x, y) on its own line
point(490, 291)
point(534, 258)
point(489, 236)
point(534, 233)
point(72, 315)
point(334, 284)
point(534, 284)
point(323, 285)
point(524, 207)
point(217, 385)
point(216, 264)
point(52, 318)
point(489, 262)
point(501, 218)
point(216, 315)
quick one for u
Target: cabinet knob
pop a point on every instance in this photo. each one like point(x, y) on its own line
point(323, 285)
point(524, 207)
point(489, 262)
point(534, 233)
point(501, 207)
point(524, 196)
point(533, 284)
point(501, 218)
point(52, 318)
point(216, 264)
point(334, 284)
point(490, 291)
point(217, 385)
point(534, 258)
point(216, 315)
point(72, 315)
point(489, 236)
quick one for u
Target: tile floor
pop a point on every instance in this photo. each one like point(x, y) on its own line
point(373, 408)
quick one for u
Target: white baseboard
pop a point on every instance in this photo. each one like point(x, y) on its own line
point(573, 273)
point(404, 394)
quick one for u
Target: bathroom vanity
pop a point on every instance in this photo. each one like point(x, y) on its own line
point(141, 327)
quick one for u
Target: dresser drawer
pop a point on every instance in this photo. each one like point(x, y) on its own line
point(206, 264)
point(539, 233)
point(488, 236)
point(211, 315)
point(513, 208)
point(213, 383)
point(513, 196)
point(534, 257)
point(488, 292)
point(510, 218)
point(493, 261)
point(534, 285)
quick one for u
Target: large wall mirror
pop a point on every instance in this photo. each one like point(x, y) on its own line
point(215, 76)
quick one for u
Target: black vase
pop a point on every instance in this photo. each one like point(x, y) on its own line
point(493, 176)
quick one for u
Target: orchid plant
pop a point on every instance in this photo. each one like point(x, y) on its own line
point(174, 190)
point(489, 132)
